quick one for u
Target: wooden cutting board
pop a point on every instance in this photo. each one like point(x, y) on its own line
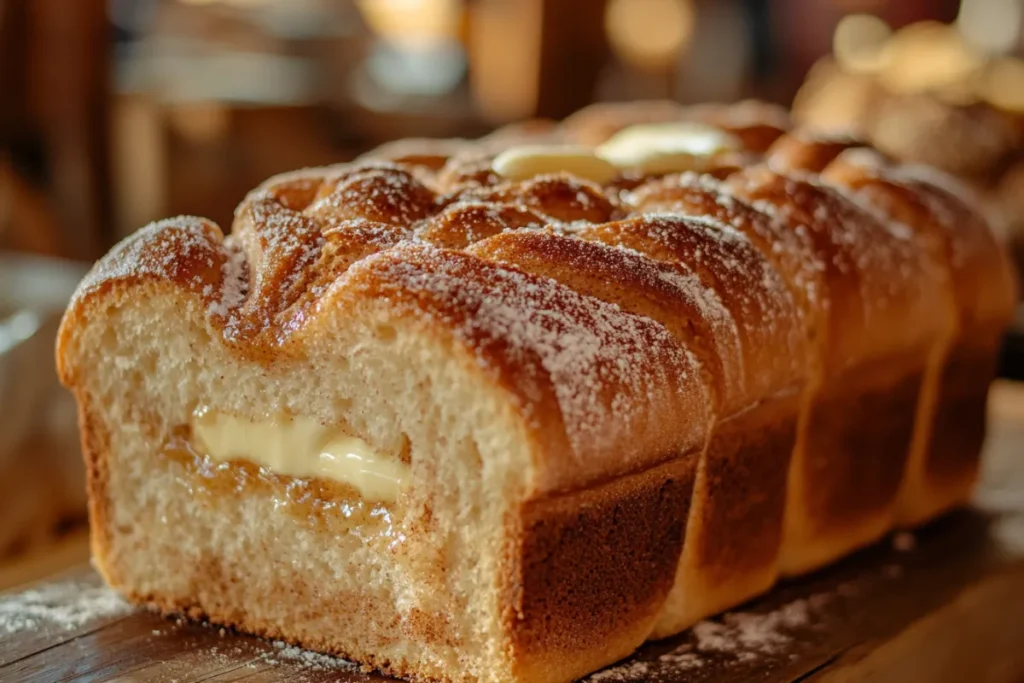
point(943, 604)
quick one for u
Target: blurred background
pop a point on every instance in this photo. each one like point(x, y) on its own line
point(114, 113)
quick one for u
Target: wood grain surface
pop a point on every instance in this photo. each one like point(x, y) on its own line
point(945, 604)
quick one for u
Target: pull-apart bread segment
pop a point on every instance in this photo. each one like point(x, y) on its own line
point(711, 288)
point(503, 410)
point(977, 290)
point(973, 286)
point(877, 320)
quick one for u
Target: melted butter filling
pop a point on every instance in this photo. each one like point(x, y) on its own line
point(299, 447)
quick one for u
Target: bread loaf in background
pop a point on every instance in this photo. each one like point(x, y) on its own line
point(630, 369)
point(928, 93)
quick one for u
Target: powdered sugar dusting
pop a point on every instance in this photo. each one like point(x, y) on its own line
point(307, 659)
point(630, 671)
point(235, 283)
point(704, 196)
point(180, 249)
point(605, 367)
point(754, 299)
point(739, 637)
point(63, 606)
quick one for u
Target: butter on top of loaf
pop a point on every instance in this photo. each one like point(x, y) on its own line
point(669, 147)
point(299, 446)
point(526, 161)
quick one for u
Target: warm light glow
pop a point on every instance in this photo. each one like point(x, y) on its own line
point(927, 56)
point(859, 41)
point(413, 21)
point(201, 122)
point(1003, 84)
point(504, 48)
point(649, 33)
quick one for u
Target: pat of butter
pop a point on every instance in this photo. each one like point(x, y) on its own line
point(527, 161)
point(668, 147)
point(299, 447)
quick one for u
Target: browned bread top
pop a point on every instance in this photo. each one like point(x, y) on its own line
point(944, 216)
point(616, 315)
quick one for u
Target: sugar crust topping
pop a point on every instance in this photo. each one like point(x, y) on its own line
point(299, 234)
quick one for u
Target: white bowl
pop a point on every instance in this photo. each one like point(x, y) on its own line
point(39, 450)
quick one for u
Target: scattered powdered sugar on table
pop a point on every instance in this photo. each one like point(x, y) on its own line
point(625, 672)
point(742, 635)
point(682, 659)
point(253, 653)
point(289, 654)
point(744, 632)
point(65, 605)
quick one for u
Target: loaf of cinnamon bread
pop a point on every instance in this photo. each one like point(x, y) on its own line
point(502, 410)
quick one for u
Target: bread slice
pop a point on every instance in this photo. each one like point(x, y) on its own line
point(460, 421)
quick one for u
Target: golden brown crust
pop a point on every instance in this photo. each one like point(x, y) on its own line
point(857, 446)
point(978, 297)
point(875, 278)
point(666, 293)
point(790, 251)
point(559, 197)
point(590, 570)
point(96, 452)
point(735, 528)
point(746, 495)
point(464, 223)
point(799, 152)
point(606, 392)
point(766, 320)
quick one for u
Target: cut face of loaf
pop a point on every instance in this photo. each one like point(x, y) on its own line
point(457, 419)
point(505, 395)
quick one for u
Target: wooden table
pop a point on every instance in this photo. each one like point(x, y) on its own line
point(943, 604)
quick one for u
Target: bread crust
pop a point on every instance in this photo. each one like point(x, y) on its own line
point(590, 570)
point(979, 296)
